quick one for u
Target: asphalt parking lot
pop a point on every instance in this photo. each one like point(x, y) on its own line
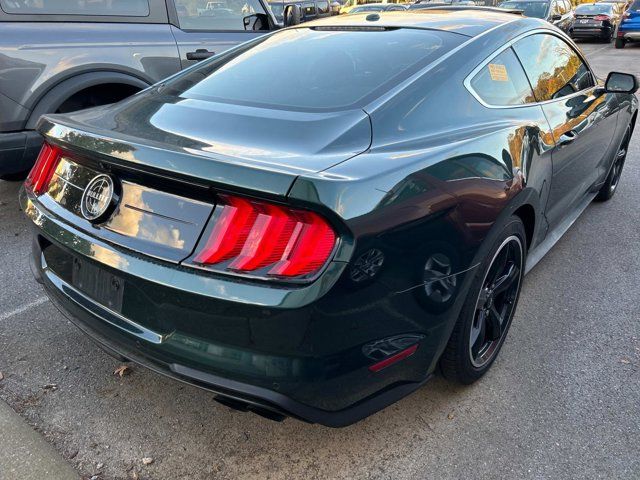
point(562, 401)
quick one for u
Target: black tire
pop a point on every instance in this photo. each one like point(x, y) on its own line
point(620, 43)
point(459, 361)
point(608, 190)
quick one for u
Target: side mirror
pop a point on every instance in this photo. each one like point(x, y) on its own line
point(256, 21)
point(621, 83)
point(292, 15)
point(556, 17)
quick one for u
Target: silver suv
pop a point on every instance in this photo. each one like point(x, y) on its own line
point(65, 55)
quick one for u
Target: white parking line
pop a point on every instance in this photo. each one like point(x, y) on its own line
point(23, 308)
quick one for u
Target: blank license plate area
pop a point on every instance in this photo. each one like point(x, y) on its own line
point(100, 285)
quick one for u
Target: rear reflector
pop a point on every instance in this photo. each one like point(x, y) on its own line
point(376, 367)
point(253, 235)
point(42, 171)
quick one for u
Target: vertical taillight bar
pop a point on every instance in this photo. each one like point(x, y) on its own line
point(42, 171)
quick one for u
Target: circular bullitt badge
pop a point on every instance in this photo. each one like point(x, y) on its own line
point(98, 198)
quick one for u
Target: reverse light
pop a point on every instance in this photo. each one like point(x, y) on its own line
point(42, 171)
point(279, 241)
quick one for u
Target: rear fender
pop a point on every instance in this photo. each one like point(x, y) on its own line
point(57, 95)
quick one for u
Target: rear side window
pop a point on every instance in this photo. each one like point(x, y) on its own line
point(305, 68)
point(127, 8)
point(554, 69)
point(502, 82)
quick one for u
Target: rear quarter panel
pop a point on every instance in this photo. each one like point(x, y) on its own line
point(442, 176)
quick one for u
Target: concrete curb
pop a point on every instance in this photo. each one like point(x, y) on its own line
point(25, 454)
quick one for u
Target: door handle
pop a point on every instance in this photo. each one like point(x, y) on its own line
point(567, 138)
point(200, 54)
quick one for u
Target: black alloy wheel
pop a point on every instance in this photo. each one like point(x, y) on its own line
point(496, 302)
point(613, 179)
point(488, 310)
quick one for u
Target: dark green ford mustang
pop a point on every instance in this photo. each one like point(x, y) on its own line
point(312, 223)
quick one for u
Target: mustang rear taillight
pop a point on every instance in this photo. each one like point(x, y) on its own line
point(42, 171)
point(251, 236)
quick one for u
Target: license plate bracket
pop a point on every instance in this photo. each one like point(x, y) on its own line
point(98, 284)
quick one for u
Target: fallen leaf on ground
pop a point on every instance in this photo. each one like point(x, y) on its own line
point(626, 361)
point(1, 376)
point(451, 416)
point(147, 461)
point(50, 386)
point(122, 370)
point(134, 475)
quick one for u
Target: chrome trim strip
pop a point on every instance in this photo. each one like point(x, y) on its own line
point(374, 104)
point(509, 44)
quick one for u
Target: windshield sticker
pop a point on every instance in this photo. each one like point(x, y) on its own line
point(498, 72)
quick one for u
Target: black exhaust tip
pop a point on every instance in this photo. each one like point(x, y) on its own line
point(248, 407)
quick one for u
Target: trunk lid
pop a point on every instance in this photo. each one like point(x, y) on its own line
point(168, 158)
point(214, 142)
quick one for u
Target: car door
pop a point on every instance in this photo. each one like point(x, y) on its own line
point(203, 29)
point(582, 120)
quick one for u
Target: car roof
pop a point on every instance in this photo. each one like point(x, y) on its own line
point(467, 21)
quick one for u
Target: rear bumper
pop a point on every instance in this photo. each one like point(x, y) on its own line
point(18, 151)
point(260, 400)
point(289, 356)
point(632, 35)
point(603, 32)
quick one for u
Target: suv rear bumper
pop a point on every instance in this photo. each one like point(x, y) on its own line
point(629, 35)
point(18, 151)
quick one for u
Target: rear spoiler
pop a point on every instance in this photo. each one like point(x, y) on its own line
point(175, 164)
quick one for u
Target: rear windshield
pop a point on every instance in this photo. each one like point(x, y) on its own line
point(128, 8)
point(594, 9)
point(306, 68)
point(529, 9)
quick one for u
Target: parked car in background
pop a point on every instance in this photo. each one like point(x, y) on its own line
point(315, 222)
point(309, 9)
point(423, 4)
point(557, 12)
point(60, 56)
point(379, 7)
point(596, 20)
point(622, 4)
point(629, 29)
point(349, 5)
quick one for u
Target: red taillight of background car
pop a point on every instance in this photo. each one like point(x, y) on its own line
point(42, 171)
point(250, 235)
point(602, 18)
